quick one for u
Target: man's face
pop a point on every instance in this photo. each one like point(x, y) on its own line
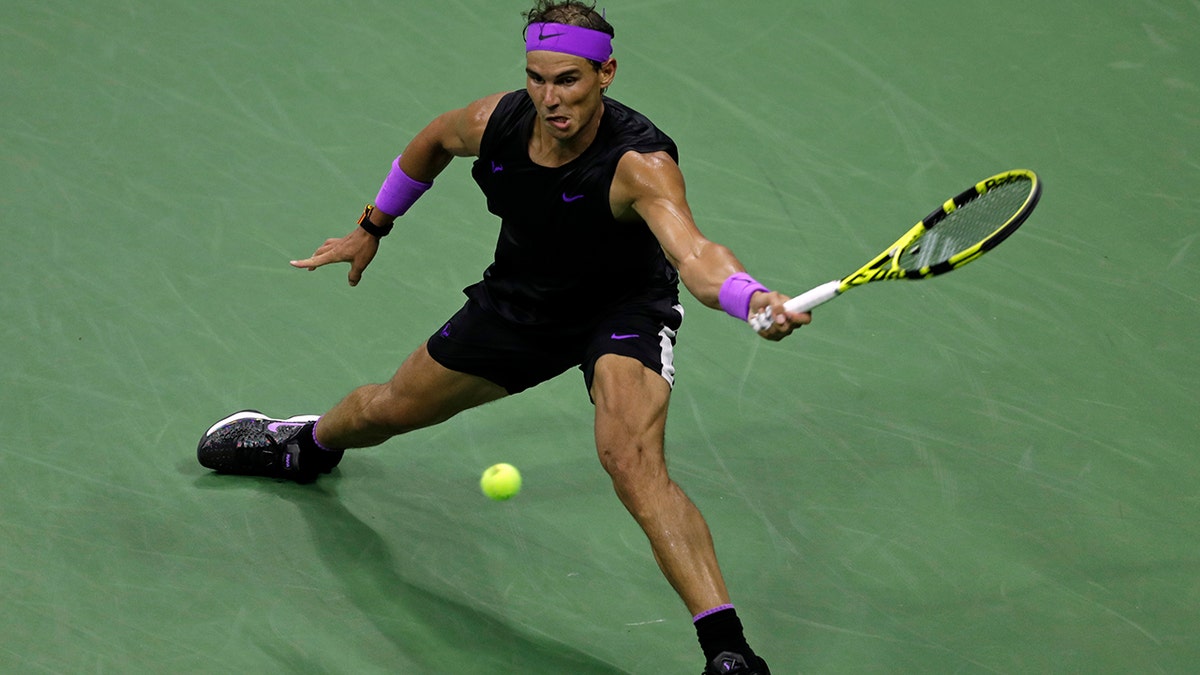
point(566, 90)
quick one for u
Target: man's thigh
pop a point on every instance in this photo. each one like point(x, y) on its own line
point(423, 392)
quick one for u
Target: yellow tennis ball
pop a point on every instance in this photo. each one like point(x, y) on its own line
point(501, 481)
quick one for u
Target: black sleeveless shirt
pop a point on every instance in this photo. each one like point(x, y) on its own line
point(561, 257)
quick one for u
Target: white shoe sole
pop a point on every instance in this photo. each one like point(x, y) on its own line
point(255, 415)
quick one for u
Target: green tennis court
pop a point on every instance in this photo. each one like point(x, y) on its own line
point(990, 472)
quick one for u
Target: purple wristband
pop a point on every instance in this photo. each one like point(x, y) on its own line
point(399, 191)
point(735, 295)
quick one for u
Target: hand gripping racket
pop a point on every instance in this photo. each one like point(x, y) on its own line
point(959, 231)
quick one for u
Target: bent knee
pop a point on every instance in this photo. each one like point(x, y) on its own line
point(635, 469)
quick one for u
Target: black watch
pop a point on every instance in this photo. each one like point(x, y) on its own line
point(377, 231)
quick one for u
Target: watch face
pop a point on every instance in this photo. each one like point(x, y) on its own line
point(377, 231)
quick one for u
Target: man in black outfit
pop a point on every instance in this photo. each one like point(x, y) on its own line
point(595, 235)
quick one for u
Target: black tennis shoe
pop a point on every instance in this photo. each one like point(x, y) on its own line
point(729, 663)
point(248, 443)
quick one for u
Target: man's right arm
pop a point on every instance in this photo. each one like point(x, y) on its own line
point(456, 133)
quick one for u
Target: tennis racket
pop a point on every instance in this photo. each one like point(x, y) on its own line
point(957, 232)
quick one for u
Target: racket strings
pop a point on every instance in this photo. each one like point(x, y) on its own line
point(967, 226)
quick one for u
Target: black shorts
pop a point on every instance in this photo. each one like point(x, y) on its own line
point(516, 357)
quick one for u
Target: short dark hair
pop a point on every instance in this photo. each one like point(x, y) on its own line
point(570, 13)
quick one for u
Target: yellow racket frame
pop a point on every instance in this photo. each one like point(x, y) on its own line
point(886, 265)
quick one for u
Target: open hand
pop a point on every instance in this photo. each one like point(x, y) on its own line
point(357, 248)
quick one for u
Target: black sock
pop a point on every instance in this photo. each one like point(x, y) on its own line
point(307, 438)
point(721, 631)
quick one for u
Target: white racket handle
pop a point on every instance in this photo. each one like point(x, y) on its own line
point(801, 303)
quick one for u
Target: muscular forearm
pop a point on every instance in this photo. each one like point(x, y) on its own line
point(426, 155)
point(703, 272)
point(413, 172)
point(456, 133)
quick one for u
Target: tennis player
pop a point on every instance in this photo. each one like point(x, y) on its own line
point(595, 235)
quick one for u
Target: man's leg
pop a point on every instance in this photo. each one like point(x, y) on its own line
point(631, 415)
point(421, 393)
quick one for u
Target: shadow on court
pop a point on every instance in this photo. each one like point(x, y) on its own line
point(430, 629)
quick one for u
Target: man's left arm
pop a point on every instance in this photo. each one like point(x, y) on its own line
point(650, 187)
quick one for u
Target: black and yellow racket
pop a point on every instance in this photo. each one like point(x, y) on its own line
point(959, 231)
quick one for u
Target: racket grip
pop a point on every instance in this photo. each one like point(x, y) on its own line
point(801, 303)
point(814, 298)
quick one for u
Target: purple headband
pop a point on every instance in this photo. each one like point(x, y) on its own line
point(590, 44)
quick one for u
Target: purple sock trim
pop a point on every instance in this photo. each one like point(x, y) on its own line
point(735, 295)
point(399, 191)
point(319, 443)
point(710, 612)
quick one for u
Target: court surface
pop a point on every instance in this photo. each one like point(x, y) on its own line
point(990, 472)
